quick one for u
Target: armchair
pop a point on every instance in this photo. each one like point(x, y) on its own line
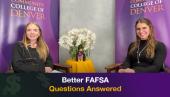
point(116, 67)
point(113, 67)
point(65, 68)
point(62, 67)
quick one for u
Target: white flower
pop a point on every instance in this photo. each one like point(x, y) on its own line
point(66, 42)
point(76, 37)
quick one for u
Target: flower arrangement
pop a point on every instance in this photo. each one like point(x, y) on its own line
point(78, 39)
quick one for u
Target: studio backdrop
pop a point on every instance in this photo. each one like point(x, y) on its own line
point(15, 14)
point(128, 11)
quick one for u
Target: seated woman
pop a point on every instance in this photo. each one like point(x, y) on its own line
point(145, 54)
point(32, 53)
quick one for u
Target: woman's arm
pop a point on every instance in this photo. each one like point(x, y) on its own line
point(48, 64)
point(127, 62)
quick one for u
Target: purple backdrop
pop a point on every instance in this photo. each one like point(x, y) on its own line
point(14, 14)
point(128, 11)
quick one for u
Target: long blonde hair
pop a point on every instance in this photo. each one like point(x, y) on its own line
point(42, 47)
point(151, 42)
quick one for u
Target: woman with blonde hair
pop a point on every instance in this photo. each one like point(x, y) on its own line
point(32, 53)
point(146, 54)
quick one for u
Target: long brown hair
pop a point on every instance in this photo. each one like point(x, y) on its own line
point(151, 42)
point(42, 47)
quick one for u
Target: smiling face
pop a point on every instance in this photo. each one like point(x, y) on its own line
point(32, 32)
point(143, 31)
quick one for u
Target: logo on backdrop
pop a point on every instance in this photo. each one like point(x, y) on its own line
point(27, 8)
point(146, 6)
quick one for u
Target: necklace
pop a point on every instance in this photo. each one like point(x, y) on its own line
point(139, 52)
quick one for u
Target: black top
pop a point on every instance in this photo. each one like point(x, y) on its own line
point(27, 60)
point(140, 63)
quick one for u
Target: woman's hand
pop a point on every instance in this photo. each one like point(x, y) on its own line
point(121, 70)
point(48, 70)
point(127, 70)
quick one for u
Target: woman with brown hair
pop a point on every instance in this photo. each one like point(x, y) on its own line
point(32, 53)
point(146, 54)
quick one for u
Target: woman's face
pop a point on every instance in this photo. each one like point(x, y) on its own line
point(32, 32)
point(143, 31)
